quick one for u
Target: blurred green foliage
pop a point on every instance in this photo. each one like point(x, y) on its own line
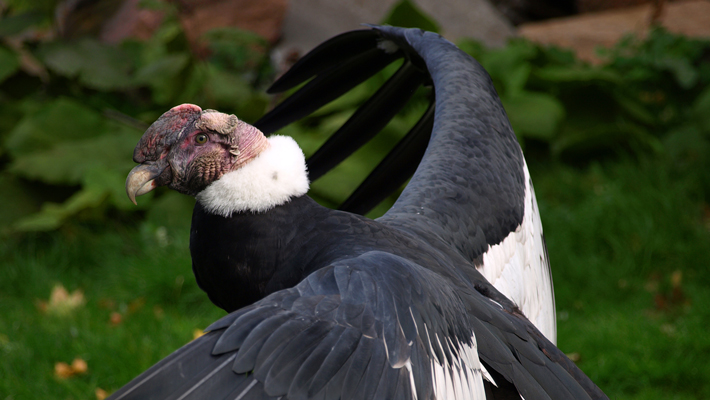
point(408, 15)
point(638, 97)
point(72, 111)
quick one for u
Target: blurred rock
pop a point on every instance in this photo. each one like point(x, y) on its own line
point(264, 17)
point(586, 6)
point(520, 11)
point(305, 23)
point(310, 22)
point(131, 21)
point(77, 18)
point(584, 33)
point(112, 21)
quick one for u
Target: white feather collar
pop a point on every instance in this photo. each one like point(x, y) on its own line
point(269, 180)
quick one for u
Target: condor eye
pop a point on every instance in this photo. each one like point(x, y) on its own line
point(201, 138)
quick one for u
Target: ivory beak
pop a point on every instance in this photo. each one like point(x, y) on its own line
point(141, 180)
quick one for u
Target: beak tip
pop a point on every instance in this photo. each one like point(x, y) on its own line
point(140, 181)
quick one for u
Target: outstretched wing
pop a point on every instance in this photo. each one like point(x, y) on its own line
point(471, 191)
point(376, 326)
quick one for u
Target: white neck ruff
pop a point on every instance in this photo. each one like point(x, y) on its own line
point(269, 180)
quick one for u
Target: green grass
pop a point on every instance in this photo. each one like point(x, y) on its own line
point(617, 231)
point(148, 282)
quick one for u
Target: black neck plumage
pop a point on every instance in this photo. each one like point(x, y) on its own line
point(242, 258)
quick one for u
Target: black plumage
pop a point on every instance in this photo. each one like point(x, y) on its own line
point(328, 304)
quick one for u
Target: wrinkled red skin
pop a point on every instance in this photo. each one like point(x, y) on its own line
point(161, 134)
point(170, 148)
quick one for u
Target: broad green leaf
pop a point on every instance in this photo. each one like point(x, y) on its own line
point(62, 120)
point(63, 58)
point(635, 109)
point(10, 114)
point(171, 210)
point(252, 107)
point(112, 181)
point(46, 7)
point(503, 61)
point(163, 69)
point(226, 88)
point(99, 184)
point(53, 215)
point(49, 218)
point(226, 91)
point(685, 74)
point(14, 24)
point(617, 136)
point(98, 66)
point(67, 163)
point(195, 76)
point(535, 115)
point(107, 67)
point(558, 56)
point(9, 63)
point(644, 140)
point(163, 77)
point(17, 200)
point(516, 79)
point(701, 109)
point(686, 143)
point(236, 49)
point(472, 47)
point(167, 32)
point(408, 15)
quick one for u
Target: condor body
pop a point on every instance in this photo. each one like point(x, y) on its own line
point(447, 296)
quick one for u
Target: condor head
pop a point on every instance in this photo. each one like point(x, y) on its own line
point(187, 149)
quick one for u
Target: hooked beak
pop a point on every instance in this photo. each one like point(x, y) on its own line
point(141, 180)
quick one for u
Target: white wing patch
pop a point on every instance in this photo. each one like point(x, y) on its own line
point(463, 379)
point(519, 268)
point(387, 46)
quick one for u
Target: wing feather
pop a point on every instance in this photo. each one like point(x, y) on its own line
point(398, 166)
point(327, 364)
point(368, 120)
point(324, 88)
point(299, 344)
point(337, 50)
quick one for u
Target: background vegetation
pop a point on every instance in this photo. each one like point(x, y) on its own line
point(94, 290)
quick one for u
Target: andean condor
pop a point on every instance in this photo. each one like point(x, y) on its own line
point(447, 296)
